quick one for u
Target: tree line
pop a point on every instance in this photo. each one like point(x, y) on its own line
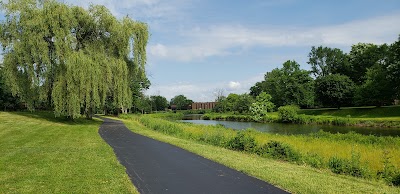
point(369, 75)
point(148, 104)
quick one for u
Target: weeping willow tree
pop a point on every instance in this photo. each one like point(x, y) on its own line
point(70, 58)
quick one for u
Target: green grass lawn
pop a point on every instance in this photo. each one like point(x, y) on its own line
point(356, 112)
point(42, 154)
point(288, 176)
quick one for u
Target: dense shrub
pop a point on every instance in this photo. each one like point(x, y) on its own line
point(304, 119)
point(351, 167)
point(243, 141)
point(396, 180)
point(337, 165)
point(288, 114)
point(214, 139)
point(314, 160)
point(278, 150)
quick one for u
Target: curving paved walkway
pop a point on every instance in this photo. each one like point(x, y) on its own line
point(157, 167)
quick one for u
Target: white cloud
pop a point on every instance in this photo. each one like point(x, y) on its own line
point(158, 50)
point(218, 40)
point(233, 85)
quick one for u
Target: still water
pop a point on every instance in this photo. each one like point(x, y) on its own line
point(282, 128)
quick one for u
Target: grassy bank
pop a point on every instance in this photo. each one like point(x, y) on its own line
point(41, 154)
point(354, 116)
point(205, 140)
point(236, 117)
point(389, 112)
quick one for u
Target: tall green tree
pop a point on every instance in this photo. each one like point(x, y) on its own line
point(381, 84)
point(159, 103)
point(377, 88)
point(7, 100)
point(334, 90)
point(287, 85)
point(143, 104)
point(243, 104)
point(363, 56)
point(393, 67)
point(72, 58)
point(257, 89)
point(231, 102)
point(325, 61)
point(181, 102)
point(234, 103)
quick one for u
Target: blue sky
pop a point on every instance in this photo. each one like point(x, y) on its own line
point(199, 46)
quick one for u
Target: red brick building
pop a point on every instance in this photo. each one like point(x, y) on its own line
point(203, 105)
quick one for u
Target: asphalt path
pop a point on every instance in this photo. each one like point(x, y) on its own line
point(157, 167)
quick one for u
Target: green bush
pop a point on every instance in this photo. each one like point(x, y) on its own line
point(243, 141)
point(337, 165)
point(314, 160)
point(355, 168)
point(214, 139)
point(304, 119)
point(288, 114)
point(396, 180)
point(205, 117)
point(351, 167)
point(278, 150)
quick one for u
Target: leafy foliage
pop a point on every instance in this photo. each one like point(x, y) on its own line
point(181, 102)
point(362, 57)
point(235, 103)
point(243, 141)
point(262, 105)
point(377, 89)
point(71, 58)
point(325, 61)
point(351, 166)
point(159, 103)
point(280, 151)
point(373, 71)
point(288, 85)
point(7, 100)
point(288, 114)
point(334, 90)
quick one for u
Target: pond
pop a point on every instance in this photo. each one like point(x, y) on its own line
point(282, 128)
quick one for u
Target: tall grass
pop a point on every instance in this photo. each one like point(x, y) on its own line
point(352, 154)
point(364, 116)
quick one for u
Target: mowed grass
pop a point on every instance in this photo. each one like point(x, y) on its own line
point(42, 154)
point(389, 112)
point(291, 177)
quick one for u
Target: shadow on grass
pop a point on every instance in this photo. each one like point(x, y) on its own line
point(50, 117)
